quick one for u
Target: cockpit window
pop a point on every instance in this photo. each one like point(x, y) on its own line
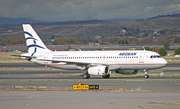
point(155, 56)
point(158, 56)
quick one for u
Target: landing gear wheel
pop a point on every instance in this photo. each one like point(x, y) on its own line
point(146, 76)
point(106, 76)
point(85, 76)
point(88, 76)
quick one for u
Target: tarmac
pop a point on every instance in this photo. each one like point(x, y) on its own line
point(154, 92)
point(88, 100)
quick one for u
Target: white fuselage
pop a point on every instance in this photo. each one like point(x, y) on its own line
point(81, 60)
point(93, 62)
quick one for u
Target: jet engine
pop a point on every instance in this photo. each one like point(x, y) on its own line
point(98, 70)
point(127, 72)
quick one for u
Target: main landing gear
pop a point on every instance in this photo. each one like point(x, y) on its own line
point(86, 75)
point(146, 74)
point(106, 76)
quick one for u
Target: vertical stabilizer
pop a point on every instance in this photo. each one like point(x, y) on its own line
point(33, 41)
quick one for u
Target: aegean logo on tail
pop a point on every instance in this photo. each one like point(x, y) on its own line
point(32, 45)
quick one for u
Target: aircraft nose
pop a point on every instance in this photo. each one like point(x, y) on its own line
point(164, 62)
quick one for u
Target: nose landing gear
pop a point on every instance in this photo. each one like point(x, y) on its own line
point(146, 74)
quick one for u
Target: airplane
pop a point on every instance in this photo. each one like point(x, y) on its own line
point(92, 62)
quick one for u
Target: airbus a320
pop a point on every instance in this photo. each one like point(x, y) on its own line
point(92, 62)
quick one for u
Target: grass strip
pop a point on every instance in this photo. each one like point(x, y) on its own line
point(43, 88)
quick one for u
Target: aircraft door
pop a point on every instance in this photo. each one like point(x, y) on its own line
point(141, 58)
point(46, 57)
point(102, 58)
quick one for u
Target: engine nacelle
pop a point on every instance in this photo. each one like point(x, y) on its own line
point(127, 72)
point(98, 70)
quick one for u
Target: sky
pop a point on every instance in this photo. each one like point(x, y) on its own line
point(69, 10)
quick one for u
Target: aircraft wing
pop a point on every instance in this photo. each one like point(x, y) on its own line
point(74, 62)
point(24, 56)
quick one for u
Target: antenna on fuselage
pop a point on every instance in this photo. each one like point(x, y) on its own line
point(79, 49)
point(144, 49)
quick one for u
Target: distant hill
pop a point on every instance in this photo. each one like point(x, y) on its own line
point(123, 19)
point(88, 28)
point(15, 21)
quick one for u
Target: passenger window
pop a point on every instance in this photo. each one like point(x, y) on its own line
point(151, 57)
